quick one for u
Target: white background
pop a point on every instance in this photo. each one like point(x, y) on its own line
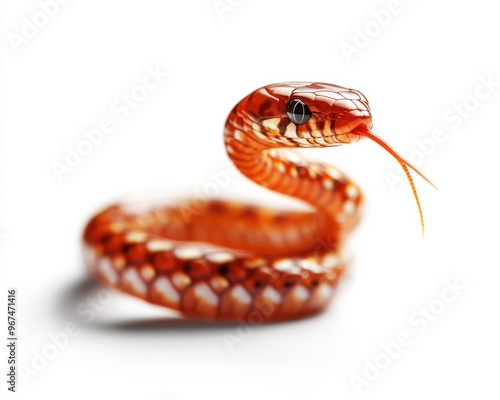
point(430, 57)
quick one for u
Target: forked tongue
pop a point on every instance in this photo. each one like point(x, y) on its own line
point(363, 131)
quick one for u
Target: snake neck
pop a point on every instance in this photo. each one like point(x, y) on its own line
point(324, 187)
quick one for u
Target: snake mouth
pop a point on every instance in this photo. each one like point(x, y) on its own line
point(345, 133)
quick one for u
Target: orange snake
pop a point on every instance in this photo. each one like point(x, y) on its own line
point(241, 260)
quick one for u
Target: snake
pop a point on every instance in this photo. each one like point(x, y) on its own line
point(231, 261)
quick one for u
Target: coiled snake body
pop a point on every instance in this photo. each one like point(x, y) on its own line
point(233, 261)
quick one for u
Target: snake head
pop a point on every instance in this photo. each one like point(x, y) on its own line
point(305, 114)
point(302, 114)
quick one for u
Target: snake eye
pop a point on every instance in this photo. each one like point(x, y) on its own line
point(297, 111)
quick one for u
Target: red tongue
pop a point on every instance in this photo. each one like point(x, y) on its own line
point(363, 131)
